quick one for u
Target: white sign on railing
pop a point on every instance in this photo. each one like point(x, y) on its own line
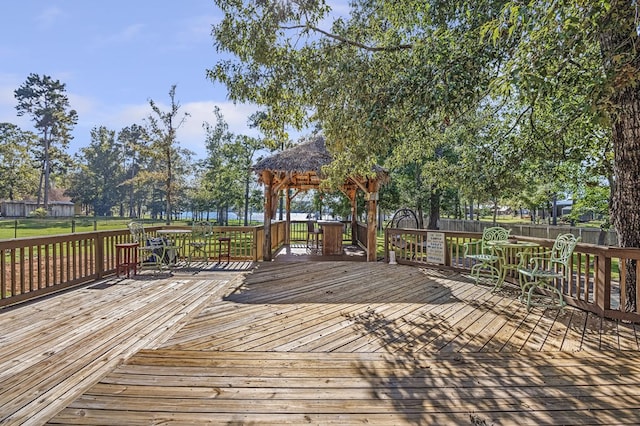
point(435, 247)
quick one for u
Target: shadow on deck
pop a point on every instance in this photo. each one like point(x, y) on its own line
point(312, 342)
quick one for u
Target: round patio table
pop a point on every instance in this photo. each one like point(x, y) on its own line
point(512, 255)
point(178, 239)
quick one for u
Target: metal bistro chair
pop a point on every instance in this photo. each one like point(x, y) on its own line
point(200, 241)
point(313, 236)
point(546, 271)
point(483, 254)
point(154, 252)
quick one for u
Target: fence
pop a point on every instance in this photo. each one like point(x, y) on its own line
point(36, 266)
point(598, 278)
point(587, 235)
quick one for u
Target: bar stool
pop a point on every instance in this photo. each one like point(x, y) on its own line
point(126, 258)
point(227, 242)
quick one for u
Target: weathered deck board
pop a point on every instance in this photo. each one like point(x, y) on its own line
point(318, 342)
point(84, 334)
point(349, 388)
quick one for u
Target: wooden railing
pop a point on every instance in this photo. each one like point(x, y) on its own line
point(597, 279)
point(299, 231)
point(33, 267)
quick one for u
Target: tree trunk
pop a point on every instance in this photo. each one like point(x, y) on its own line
point(40, 181)
point(419, 198)
point(625, 208)
point(168, 184)
point(495, 212)
point(434, 208)
point(246, 200)
point(620, 41)
point(420, 215)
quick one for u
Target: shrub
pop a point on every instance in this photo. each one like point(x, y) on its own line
point(40, 213)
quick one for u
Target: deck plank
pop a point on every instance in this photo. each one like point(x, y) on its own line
point(319, 342)
point(357, 387)
point(32, 387)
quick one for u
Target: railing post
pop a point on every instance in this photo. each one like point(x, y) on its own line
point(386, 245)
point(99, 251)
point(603, 282)
point(254, 244)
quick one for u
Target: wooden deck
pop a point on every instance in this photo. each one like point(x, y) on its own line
point(314, 342)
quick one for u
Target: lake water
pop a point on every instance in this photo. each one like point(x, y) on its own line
point(258, 217)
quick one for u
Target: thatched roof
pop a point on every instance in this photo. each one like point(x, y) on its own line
point(308, 156)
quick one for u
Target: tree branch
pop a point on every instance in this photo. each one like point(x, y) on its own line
point(351, 42)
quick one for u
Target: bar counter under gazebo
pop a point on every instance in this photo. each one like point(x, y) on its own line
point(300, 169)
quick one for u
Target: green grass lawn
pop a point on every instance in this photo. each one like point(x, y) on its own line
point(509, 219)
point(29, 227)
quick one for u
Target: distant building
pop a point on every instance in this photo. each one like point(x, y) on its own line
point(24, 208)
point(584, 217)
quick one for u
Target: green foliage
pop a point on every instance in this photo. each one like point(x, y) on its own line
point(169, 159)
point(228, 177)
point(97, 180)
point(45, 101)
point(18, 170)
point(40, 213)
point(134, 141)
point(492, 100)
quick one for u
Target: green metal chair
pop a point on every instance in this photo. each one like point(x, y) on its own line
point(546, 272)
point(200, 241)
point(483, 254)
point(153, 252)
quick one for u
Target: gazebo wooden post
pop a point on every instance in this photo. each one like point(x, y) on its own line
point(372, 209)
point(287, 229)
point(267, 178)
point(352, 195)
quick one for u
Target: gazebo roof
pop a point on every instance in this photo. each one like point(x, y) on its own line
point(308, 156)
point(302, 163)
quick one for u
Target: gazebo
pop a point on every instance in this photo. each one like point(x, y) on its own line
point(300, 168)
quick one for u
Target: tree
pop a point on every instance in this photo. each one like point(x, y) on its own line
point(228, 167)
point(133, 140)
point(97, 182)
point(163, 127)
point(18, 174)
point(394, 65)
point(386, 76)
point(240, 155)
point(592, 46)
point(44, 99)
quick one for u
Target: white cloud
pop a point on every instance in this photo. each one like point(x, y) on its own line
point(191, 134)
point(49, 17)
point(196, 29)
point(125, 35)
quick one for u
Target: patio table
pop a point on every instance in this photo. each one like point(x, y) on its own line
point(178, 239)
point(512, 255)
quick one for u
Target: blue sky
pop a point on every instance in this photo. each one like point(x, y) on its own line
point(115, 55)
